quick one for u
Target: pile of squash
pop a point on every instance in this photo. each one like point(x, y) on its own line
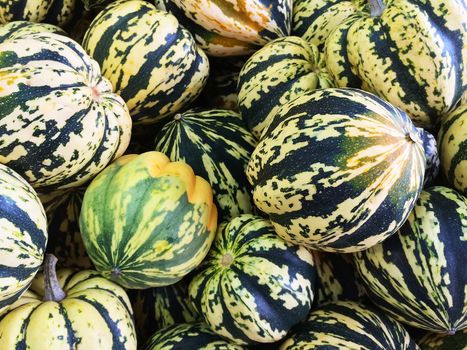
point(233, 174)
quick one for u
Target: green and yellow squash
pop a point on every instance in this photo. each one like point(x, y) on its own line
point(418, 275)
point(146, 221)
point(436, 341)
point(232, 27)
point(61, 123)
point(69, 310)
point(315, 20)
point(58, 12)
point(349, 326)
point(337, 170)
point(150, 59)
point(253, 287)
point(452, 141)
point(23, 236)
point(278, 73)
point(157, 308)
point(337, 279)
point(411, 53)
point(17, 29)
point(62, 208)
point(189, 336)
point(218, 146)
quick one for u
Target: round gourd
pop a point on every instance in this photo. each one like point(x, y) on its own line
point(410, 53)
point(61, 124)
point(62, 208)
point(338, 170)
point(151, 60)
point(436, 341)
point(253, 287)
point(231, 28)
point(217, 145)
point(17, 29)
point(146, 221)
point(188, 336)
point(278, 73)
point(58, 12)
point(349, 326)
point(418, 276)
point(90, 312)
point(157, 308)
point(452, 141)
point(23, 238)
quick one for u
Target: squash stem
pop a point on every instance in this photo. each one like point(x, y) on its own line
point(52, 289)
point(376, 7)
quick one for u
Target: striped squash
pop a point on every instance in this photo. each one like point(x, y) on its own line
point(337, 279)
point(436, 341)
point(189, 336)
point(152, 61)
point(58, 12)
point(418, 275)
point(157, 308)
point(411, 53)
point(90, 312)
point(452, 141)
point(60, 123)
point(217, 145)
point(253, 287)
point(62, 208)
point(278, 73)
point(431, 155)
point(349, 326)
point(337, 170)
point(17, 29)
point(23, 228)
point(147, 222)
point(232, 27)
point(315, 20)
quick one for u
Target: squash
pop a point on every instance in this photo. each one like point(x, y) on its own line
point(452, 140)
point(189, 336)
point(337, 170)
point(350, 326)
point(151, 60)
point(253, 287)
point(436, 341)
point(232, 28)
point(281, 71)
point(146, 221)
point(418, 276)
point(57, 12)
point(23, 238)
point(17, 29)
point(410, 53)
point(157, 308)
point(61, 123)
point(218, 146)
point(62, 208)
point(68, 310)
